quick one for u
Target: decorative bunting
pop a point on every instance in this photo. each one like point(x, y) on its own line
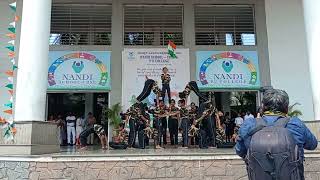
point(9, 73)
point(11, 54)
point(12, 29)
point(11, 48)
point(11, 42)
point(10, 86)
point(8, 105)
point(13, 6)
point(13, 24)
point(9, 111)
point(10, 79)
point(9, 128)
point(11, 92)
point(16, 18)
point(11, 35)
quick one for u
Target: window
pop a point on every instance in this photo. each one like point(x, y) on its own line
point(153, 24)
point(225, 25)
point(80, 24)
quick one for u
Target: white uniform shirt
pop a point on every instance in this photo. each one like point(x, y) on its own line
point(248, 116)
point(239, 121)
point(71, 120)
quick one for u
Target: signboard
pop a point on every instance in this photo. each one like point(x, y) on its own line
point(79, 70)
point(227, 70)
point(138, 63)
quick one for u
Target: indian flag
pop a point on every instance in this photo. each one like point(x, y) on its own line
point(171, 49)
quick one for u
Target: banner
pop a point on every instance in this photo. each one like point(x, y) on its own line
point(74, 70)
point(138, 63)
point(227, 70)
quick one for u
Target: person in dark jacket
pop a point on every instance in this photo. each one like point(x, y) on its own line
point(275, 105)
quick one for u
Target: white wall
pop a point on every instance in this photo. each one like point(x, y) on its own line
point(289, 68)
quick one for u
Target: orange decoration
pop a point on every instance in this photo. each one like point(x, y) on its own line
point(11, 54)
point(9, 111)
point(11, 92)
point(11, 35)
point(16, 18)
point(9, 73)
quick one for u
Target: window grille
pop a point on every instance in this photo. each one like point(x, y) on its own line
point(80, 24)
point(153, 24)
point(225, 25)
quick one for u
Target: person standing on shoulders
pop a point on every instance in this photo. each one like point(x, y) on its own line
point(273, 146)
point(165, 78)
point(71, 130)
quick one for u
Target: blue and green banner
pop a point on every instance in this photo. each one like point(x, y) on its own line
point(79, 70)
point(227, 70)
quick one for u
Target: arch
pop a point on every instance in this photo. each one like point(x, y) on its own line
point(78, 55)
point(229, 55)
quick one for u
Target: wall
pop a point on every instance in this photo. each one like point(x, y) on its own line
point(233, 169)
point(288, 60)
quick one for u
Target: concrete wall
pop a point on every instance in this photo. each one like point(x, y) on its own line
point(232, 169)
point(289, 68)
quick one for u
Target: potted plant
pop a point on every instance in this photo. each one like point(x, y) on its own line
point(112, 115)
point(292, 112)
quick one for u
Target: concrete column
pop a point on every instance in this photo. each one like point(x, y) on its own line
point(34, 136)
point(287, 46)
point(33, 61)
point(312, 25)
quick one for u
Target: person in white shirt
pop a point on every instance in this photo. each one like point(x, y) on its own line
point(71, 129)
point(248, 115)
point(238, 120)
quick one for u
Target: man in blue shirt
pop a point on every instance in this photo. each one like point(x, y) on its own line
point(275, 104)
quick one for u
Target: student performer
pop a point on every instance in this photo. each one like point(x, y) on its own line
point(160, 124)
point(165, 78)
point(184, 122)
point(173, 122)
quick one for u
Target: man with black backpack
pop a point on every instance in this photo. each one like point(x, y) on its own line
point(273, 146)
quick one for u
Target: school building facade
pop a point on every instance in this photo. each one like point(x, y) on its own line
point(283, 34)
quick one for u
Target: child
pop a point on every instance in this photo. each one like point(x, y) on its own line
point(165, 78)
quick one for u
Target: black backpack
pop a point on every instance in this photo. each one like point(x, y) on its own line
point(273, 153)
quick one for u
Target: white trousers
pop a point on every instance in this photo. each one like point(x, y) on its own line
point(71, 133)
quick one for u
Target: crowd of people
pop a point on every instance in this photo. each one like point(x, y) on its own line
point(70, 126)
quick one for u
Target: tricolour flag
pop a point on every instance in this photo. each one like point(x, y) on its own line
point(171, 49)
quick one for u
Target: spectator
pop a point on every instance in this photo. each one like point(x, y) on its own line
point(248, 116)
point(71, 130)
point(239, 120)
point(275, 108)
point(79, 129)
point(61, 129)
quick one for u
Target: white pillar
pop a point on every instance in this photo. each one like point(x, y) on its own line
point(312, 25)
point(33, 61)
